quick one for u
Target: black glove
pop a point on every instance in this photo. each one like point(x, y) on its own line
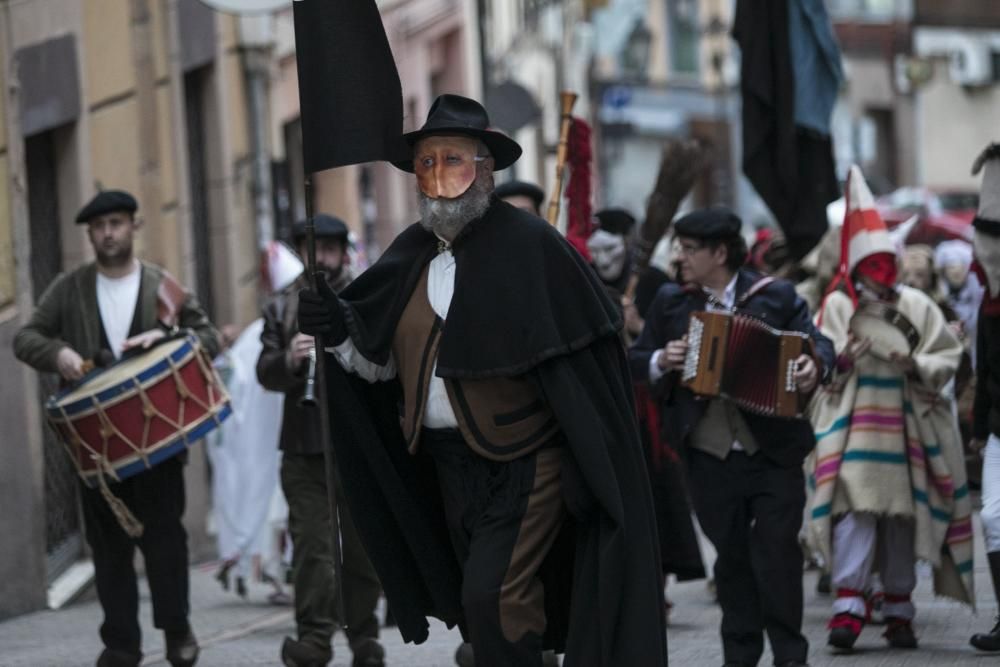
point(320, 313)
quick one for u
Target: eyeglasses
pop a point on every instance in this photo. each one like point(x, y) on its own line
point(689, 249)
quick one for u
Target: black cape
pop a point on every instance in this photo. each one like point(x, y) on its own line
point(525, 303)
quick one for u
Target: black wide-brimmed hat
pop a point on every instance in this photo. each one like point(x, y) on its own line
point(454, 114)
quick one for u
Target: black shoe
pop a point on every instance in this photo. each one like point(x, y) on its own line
point(899, 634)
point(464, 656)
point(112, 658)
point(367, 653)
point(296, 654)
point(823, 586)
point(844, 631)
point(182, 648)
point(987, 641)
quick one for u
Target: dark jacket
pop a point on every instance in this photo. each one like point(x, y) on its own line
point(986, 412)
point(68, 314)
point(275, 372)
point(784, 441)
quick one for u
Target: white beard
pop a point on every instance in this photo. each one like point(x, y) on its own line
point(447, 217)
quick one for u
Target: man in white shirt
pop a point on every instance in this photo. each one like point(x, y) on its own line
point(486, 438)
point(99, 312)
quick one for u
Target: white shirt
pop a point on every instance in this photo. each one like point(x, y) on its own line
point(116, 299)
point(438, 412)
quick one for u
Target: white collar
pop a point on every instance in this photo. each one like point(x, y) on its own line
point(728, 297)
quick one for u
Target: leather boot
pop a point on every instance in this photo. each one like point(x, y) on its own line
point(182, 648)
point(296, 654)
point(990, 641)
point(845, 629)
point(112, 658)
point(367, 653)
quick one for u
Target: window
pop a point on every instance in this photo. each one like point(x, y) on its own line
point(682, 16)
point(870, 10)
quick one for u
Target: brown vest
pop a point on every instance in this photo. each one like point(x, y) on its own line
point(499, 418)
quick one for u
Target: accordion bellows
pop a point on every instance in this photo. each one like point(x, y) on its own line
point(745, 361)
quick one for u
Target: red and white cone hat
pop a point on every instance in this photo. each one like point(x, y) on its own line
point(862, 235)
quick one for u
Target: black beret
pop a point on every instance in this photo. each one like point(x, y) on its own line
point(987, 226)
point(520, 188)
point(107, 201)
point(615, 221)
point(327, 227)
point(713, 223)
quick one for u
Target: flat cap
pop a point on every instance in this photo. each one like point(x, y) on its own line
point(520, 188)
point(327, 227)
point(107, 201)
point(717, 222)
point(987, 226)
point(616, 221)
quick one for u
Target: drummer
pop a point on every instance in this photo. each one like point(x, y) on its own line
point(889, 471)
point(95, 314)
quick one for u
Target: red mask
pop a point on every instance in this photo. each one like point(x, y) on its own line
point(445, 166)
point(880, 267)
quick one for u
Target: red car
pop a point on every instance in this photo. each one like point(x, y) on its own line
point(942, 214)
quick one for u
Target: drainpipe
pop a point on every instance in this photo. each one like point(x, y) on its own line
point(256, 46)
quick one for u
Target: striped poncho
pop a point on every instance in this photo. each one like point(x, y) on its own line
point(889, 445)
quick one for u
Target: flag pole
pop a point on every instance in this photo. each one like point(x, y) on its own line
point(322, 406)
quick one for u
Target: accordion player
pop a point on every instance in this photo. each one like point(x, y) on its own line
point(742, 359)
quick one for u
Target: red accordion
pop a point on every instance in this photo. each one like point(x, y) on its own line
point(744, 360)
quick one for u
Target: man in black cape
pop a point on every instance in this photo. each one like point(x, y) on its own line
point(486, 434)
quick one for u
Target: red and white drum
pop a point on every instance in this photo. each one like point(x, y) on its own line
point(140, 411)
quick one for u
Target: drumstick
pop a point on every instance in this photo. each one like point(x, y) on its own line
point(102, 359)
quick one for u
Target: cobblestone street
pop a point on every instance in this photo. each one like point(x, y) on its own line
point(237, 632)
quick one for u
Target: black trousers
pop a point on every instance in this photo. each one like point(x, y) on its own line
point(503, 518)
point(751, 510)
point(303, 480)
point(156, 498)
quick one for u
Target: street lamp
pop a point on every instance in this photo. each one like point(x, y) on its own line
point(635, 53)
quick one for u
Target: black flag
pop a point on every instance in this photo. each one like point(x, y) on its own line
point(789, 164)
point(349, 93)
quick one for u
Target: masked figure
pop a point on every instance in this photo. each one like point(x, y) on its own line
point(890, 485)
point(485, 432)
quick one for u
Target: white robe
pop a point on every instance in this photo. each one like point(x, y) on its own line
point(248, 505)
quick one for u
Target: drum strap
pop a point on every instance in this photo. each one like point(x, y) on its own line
point(128, 521)
point(170, 298)
point(754, 289)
